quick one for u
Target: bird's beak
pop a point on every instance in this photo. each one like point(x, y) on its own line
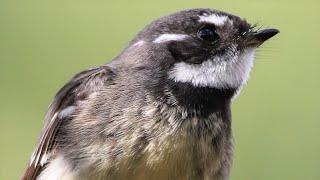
point(259, 37)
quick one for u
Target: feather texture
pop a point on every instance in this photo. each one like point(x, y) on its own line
point(77, 89)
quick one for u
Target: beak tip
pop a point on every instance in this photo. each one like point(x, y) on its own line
point(266, 34)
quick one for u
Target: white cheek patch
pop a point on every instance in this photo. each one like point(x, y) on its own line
point(218, 20)
point(232, 72)
point(170, 37)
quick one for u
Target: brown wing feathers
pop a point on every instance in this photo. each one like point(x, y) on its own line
point(79, 87)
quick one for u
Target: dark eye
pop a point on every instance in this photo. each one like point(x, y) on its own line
point(207, 34)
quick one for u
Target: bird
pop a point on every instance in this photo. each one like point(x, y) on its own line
point(160, 110)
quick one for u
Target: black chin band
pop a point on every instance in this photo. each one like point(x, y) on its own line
point(203, 99)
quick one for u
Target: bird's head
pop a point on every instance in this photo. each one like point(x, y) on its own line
point(210, 48)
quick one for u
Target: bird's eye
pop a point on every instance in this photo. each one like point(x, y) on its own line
point(207, 34)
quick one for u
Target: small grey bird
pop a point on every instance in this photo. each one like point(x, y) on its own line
point(158, 111)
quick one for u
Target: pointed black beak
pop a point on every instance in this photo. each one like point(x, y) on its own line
point(265, 34)
point(259, 37)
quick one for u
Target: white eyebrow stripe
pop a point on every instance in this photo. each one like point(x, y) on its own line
point(170, 37)
point(218, 20)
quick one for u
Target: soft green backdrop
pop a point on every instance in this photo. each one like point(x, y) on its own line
point(276, 119)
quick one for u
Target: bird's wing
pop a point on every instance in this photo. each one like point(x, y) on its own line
point(77, 89)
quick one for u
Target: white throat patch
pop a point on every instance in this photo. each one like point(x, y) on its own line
point(218, 72)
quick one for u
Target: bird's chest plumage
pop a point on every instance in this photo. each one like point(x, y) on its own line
point(165, 143)
point(177, 147)
point(178, 157)
point(152, 140)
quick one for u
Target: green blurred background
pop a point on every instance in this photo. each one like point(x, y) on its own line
point(276, 119)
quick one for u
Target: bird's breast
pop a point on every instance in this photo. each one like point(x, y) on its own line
point(178, 146)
